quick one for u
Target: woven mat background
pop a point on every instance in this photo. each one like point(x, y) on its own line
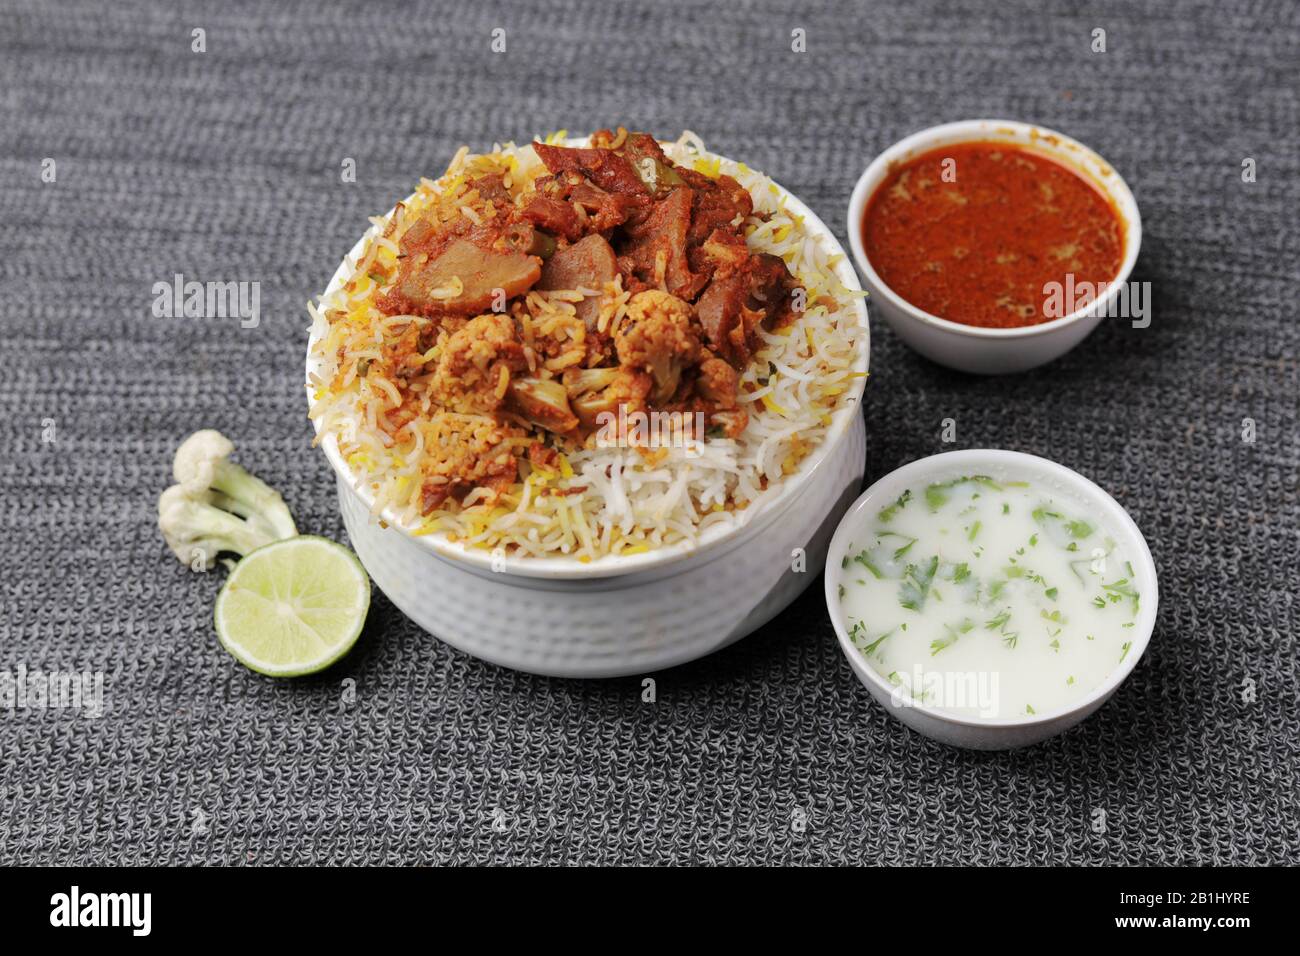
point(225, 165)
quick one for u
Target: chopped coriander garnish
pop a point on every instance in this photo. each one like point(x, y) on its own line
point(871, 648)
point(943, 642)
point(916, 585)
point(862, 559)
point(1118, 590)
point(887, 513)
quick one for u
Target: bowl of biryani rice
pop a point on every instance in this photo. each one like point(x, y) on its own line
point(592, 403)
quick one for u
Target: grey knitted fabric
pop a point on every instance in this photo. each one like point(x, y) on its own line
point(225, 165)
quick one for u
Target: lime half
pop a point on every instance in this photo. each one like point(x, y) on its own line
point(293, 607)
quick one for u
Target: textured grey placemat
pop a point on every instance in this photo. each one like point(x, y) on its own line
point(225, 165)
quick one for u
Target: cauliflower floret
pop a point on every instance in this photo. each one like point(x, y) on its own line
point(718, 383)
point(597, 391)
point(659, 337)
point(544, 402)
point(218, 506)
point(475, 365)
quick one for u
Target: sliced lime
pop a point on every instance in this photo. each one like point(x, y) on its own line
point(293, 607)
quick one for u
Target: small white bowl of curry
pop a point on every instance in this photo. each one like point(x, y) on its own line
point(992, 246)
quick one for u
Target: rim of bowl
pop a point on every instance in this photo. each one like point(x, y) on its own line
point(1120, 522)
point(1070, 152)
point(565, 567)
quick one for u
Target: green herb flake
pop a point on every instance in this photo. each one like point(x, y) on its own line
point(862, 559)
point(916, 585)
point(871, 648)
point(939, 644)
point(1118, 590)
point(936, 496)
point(887, 513)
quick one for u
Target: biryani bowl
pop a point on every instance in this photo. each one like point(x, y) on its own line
point(619, 613)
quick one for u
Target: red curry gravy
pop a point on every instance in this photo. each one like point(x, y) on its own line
point(973, 232)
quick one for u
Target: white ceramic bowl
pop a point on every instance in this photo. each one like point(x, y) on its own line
point(969, 348)
point(619, 615)
point(975, 732)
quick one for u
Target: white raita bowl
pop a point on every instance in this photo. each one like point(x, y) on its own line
point(620, 615)
point(979, 733)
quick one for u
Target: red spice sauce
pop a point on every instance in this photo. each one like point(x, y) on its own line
point(974, 231)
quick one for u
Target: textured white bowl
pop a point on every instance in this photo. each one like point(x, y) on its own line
point(620, 615)
point(970, 348)
point(975, 732)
